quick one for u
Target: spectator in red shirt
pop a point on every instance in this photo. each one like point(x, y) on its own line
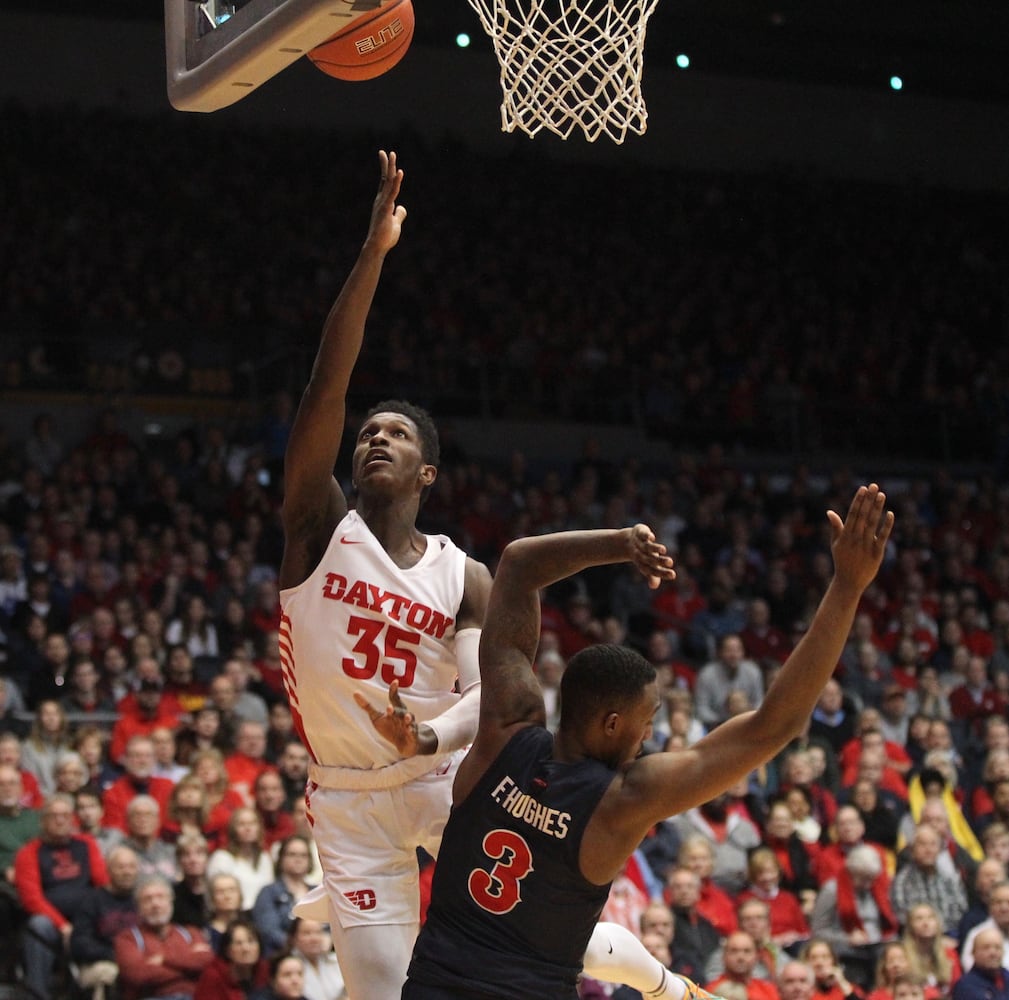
point(264, 615)
point(269, 666)
point(237, 968)
point(849, 832)
point(977, 637)
point(158, 958)
point(10, 754)
point(740, 958)
point(248, 761)
point(268, 797)
point(677, 601)
point(52, 875)
point(222, 799)
point(788, 922)
point(96, 591)
point(762, 640)
point(149, 708)
point(976, 699)
point(795, 858)
point(872, 765)
point(697, 853)
point(796, 982)
point(138, 779)
point(908, 626)
point(871, 738)
point(830, 982)
point(181, 681)
point(671, 672)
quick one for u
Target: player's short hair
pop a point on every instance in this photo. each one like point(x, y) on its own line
point(430, 448)
point(599, 679)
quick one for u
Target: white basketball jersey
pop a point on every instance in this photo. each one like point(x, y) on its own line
point(360, 622)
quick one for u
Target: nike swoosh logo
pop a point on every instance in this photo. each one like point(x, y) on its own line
point(344, 540)
point(610, 952)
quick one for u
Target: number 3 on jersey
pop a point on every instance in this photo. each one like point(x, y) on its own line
point(498, 891)
point(393, 653)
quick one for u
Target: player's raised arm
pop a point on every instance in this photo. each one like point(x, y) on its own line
point(313, 501)
point(661, 785)
point(510, 692)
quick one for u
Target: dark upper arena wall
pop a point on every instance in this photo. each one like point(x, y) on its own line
point(695, 121)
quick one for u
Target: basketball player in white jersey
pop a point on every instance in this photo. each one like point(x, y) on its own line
point(374, 611)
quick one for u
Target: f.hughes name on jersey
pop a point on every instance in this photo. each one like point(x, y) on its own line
point(524, 807)
point(397, 607)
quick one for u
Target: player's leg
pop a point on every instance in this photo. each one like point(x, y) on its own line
point(615, 955)
point(377, 958)
point(371, 887)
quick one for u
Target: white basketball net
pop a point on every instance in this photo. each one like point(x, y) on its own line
point(567, 63)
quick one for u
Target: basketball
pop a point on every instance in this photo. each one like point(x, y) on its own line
point(370, 46)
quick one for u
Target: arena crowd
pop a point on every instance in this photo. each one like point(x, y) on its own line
point(143, 720)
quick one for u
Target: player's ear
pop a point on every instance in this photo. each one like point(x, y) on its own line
point(428, 474)
point(611, 722)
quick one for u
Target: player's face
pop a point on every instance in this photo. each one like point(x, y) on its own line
point(640, 718)
point(388, 453)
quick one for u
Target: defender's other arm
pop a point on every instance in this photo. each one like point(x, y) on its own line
point(511, 693)
point(661, 785)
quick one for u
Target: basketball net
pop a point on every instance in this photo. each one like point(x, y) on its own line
point(568, 63)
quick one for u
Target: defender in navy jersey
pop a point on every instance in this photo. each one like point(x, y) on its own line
point(541, 824)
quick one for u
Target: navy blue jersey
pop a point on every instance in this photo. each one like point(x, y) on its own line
point(516, 837)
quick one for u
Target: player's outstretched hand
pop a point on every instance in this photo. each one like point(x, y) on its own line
point(386, 216)
point(650, 556)
point(858, 542)
point(396, 724)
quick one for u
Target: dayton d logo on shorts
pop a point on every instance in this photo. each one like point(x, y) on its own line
point(363, 899)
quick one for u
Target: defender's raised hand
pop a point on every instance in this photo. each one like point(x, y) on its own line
point(859, 542)
point(650, 556)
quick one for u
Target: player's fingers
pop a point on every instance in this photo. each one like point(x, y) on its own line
point(363, 703)
point(857, 503)
point(887, 526)
point(875, 500)
point(836, 524)
point(878, 509)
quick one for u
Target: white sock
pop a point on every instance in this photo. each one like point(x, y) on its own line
point(615, 955)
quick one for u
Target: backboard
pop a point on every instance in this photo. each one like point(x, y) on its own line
point(217, 52)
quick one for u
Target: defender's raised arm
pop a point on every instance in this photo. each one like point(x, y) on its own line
point(662, 785)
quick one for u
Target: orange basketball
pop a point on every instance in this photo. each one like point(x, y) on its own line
point(369, 46)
